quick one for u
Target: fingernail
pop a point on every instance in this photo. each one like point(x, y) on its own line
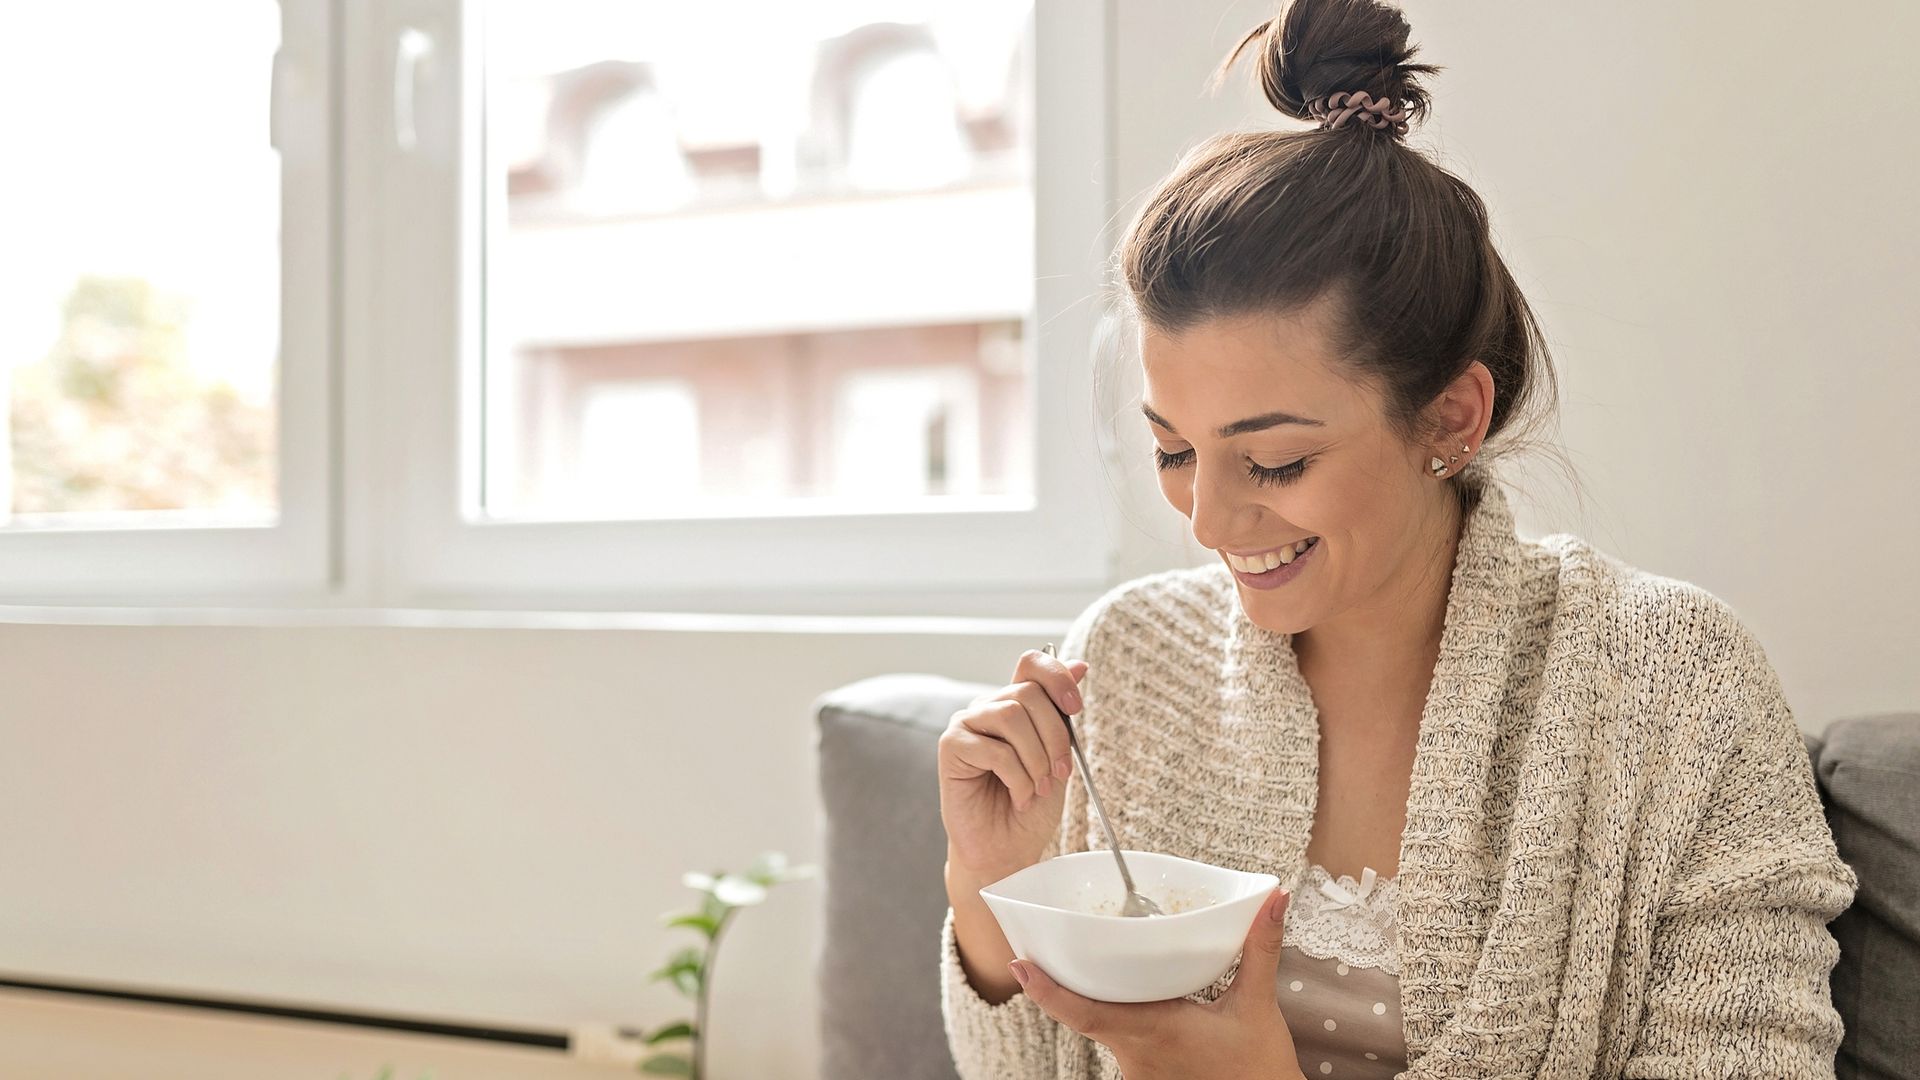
point(1278, 912)
point(1062, 765)
point(1019, 971)
point(1073, 701)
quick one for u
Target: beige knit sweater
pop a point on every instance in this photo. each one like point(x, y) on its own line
point(1615, 862)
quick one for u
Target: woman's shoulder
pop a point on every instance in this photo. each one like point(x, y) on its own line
point(1695, 728)
point(1665, 642)
point(1649, 619)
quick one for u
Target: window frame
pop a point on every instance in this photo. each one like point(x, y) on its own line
point(438, 556)
point(167, 563)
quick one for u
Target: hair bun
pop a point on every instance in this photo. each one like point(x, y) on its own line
point(1314, 48)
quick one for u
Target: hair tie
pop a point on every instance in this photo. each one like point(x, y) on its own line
point(1334, 109)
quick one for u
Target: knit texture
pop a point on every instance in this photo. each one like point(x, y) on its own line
point(1615, 862)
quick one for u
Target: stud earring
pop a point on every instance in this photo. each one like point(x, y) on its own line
point(1440, 467)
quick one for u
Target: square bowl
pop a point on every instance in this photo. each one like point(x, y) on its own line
point(1063, 915)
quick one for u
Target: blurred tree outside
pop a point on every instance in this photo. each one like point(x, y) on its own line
point(115, 418)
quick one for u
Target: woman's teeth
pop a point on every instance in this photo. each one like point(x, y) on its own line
point(1260, 564)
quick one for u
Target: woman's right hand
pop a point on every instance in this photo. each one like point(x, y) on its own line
point(1004, 765)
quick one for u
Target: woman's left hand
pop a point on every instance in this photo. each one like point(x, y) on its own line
point(1241, 1034)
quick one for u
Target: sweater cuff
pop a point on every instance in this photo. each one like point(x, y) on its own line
point(1009, 1041)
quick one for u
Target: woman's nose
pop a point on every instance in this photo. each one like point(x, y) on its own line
point(1223, 513)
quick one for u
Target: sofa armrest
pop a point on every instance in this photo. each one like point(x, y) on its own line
point(879, 967)
point(1869, 773)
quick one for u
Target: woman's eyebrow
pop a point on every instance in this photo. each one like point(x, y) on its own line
point(1240, 427)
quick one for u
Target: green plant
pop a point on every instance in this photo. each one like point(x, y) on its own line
point(690, 969)
point(386, 1073)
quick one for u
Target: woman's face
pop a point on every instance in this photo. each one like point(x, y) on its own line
point(1217, 398)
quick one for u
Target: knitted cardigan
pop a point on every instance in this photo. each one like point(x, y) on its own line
point(1615, 862)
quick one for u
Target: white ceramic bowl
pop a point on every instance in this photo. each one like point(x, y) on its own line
point(1064, 916)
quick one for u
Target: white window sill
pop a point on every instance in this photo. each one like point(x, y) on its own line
point(495, 619)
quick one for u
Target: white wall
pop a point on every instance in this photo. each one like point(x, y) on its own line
point(474, 823)
point(1709, 205)
point(1716, 244)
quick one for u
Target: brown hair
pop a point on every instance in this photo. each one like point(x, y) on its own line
point(1271, 221)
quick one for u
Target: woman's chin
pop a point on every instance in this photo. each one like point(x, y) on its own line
point(1263, 612)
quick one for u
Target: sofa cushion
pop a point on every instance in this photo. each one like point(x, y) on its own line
point(1869, 771)
point(886, 853)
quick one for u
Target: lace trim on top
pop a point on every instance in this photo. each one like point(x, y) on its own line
point(1344, 919)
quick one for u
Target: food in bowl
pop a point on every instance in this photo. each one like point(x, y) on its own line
point(1172, 902)
point(1063, 915)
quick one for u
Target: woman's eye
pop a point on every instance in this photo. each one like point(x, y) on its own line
point(1285, 474)
point(1172, 461)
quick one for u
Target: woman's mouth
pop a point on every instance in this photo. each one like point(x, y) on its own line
point(1278, 575)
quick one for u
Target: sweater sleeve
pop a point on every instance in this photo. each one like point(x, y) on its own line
point(1009, 1041)
point(1016, 1040)
point(1740, 956)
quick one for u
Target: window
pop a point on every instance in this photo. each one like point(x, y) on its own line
point(165, 221)
point(775, 207)
point(583, 303)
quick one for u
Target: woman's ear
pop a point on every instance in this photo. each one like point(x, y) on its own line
point(1465, 407)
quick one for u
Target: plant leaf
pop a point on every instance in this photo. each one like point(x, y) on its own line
point(667, 1065)
point(688, 982)
point(679, 1029)
point(686, 960)
point(697, 921)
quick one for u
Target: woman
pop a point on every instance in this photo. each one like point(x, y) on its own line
point(1538, 813)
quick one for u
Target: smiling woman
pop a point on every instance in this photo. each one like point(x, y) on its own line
point(1382, 694)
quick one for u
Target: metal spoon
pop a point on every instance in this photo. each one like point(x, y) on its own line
point(1135, 905)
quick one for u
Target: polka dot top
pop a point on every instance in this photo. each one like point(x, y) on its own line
point(1339, 980)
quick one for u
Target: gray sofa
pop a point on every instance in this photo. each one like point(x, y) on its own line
point(878, 970)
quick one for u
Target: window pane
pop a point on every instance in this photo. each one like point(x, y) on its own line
point(141, 265)
point(756, 255)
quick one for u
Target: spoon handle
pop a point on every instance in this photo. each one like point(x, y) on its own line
point(1086, 777)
